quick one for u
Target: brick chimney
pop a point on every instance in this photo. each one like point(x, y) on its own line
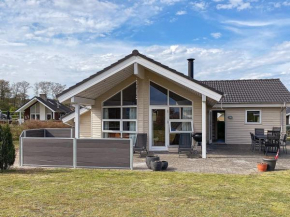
point(43, 96)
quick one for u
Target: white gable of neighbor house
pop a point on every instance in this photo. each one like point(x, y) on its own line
point(123, 70)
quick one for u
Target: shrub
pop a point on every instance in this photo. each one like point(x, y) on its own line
point(7, 150)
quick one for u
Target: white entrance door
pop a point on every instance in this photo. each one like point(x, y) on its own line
point(159, 134)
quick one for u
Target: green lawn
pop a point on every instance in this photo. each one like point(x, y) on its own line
point(85, 192)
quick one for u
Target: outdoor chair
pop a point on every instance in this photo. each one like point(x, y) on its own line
point(185, 143)
point(259, 131)
point(141, 143)
point(255, 142)
point(283, 143)
point(273, 142)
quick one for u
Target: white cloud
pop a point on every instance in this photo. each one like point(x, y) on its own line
point(216, 35)
point(201, 5)
point(252, 23)
point(180, 13)
point(235, 4)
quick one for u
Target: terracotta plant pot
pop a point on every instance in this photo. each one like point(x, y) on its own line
point(262, 167)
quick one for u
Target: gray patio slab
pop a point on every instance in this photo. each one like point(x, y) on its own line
point(221, 159)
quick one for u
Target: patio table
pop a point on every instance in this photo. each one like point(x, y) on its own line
point(261, 138)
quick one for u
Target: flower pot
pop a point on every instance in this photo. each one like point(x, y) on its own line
point(262, 167)
point(271, 161)
point(164, 165)
point(151, 158)
point(156, 165)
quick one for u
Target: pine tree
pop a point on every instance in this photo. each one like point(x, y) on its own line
point(7, 150)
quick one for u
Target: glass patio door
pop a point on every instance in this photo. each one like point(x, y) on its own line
point(159, 130)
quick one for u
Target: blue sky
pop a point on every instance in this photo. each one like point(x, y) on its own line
point(66, 41)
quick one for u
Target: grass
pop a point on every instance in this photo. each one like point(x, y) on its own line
point(84, 192)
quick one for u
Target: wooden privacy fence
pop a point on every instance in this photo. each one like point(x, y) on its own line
point(75, 153)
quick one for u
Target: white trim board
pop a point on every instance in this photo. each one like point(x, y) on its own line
point(72, 115)
point(145, 63)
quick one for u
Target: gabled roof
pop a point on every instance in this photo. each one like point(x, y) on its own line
point(135, 53)
point(251, 91)
point(52, 104)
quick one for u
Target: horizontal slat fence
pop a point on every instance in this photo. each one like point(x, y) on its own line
point(57, 151)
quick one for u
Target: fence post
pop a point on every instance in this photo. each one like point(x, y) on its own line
point(74, 153)
point(21, 152)
point(131, 153)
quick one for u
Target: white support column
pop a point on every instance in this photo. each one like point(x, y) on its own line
point(77, 121)
point(53, 115)
point(203, 116)
point(20, 120)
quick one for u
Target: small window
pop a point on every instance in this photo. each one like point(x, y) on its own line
point(129, 113)
point(158, 95)
point(33, 116)
point(111, 135)
point(174, 113)
point(48, 116)
point(111, 125)
point(112, 113)
point(129, 125)
point(253, 117)
point(180, 127)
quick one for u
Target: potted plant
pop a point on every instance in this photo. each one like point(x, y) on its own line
point(156, 165)
point(164, 165)
point(262, 167)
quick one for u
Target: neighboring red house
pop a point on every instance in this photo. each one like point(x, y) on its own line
point(42, 108)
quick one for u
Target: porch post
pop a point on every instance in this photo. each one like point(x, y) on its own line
point(20, 120)
point(77, 121)
point(203, 116)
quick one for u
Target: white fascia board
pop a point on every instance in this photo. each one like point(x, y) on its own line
point(96, 79)
point(248, 105)
point(82, 101)
point(179, 79)
point(72, 115)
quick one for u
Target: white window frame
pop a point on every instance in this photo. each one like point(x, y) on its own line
point(253, 110)
point(121, 120)
point(168, 106)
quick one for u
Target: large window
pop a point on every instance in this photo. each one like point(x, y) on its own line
point(253, 116)
point(120, 114)
point(35, 112)
point(180, 111)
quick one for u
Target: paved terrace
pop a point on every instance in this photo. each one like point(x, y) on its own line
point(222, 159)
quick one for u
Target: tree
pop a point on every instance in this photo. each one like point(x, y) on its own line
point(7, 150)
point(24, 87)
point(15, 91)
point(4, 89)
point(56, 88)
point(43, 87)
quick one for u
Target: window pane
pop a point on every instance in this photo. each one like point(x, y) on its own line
point(129, 113)
point(158, 95)
point(186, 113)
point(111, 125)
point(111, 113)
point(37, 117)
point(253, 116)
point(111, 135)
point(129, 95)
point(114, 100)
point(33, 116)
point(48, 117)
point(175, 99)
point(181, 126)
point(174, 139)
point(129, 126)
point(174, 113)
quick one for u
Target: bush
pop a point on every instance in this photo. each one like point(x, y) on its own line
point(7, 150)
point(17, 129)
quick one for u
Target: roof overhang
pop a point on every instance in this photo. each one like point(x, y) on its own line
point(71, 116)
point(249, 105)
point(30, 103)
point(131, 61)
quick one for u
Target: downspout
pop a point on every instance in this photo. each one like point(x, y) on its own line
point(282, 118)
